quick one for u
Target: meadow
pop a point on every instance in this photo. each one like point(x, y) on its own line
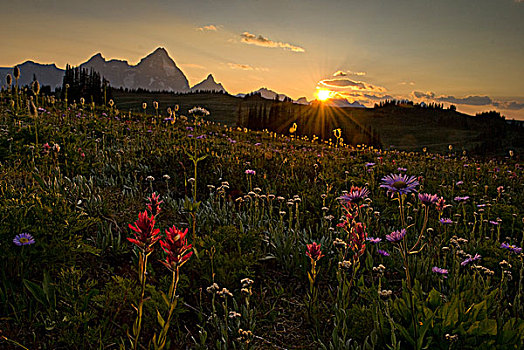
point(163, 230)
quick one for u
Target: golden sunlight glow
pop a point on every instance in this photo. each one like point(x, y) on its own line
point(323, 95)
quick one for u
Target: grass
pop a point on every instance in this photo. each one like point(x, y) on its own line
point(79, 187)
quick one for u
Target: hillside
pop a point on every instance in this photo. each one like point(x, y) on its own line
point(399, 127)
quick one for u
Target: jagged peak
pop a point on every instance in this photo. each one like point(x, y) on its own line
point(97, 57)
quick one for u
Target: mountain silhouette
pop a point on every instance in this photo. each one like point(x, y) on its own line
point(155, 72)
point(209, 84)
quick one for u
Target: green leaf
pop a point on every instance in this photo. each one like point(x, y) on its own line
point(159, 318)
point(434, 298)
point(37, 292)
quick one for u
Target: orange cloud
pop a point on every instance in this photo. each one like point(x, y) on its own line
point(209, 27)
point(245, 67)
point(350, 85)
point(252, 39)
point(341, 73)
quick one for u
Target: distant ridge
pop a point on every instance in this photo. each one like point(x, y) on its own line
point(155, 72)
point(209, 84)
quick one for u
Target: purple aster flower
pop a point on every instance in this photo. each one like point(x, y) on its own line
point(190, 128)
point(370, 164)
point(23, 239)
point(250, 172)
point(510, 247)
point(461, 199)
point(382, 252)
point(189, 135)
point(471, 259)
point(446, 221)
point(355, 195)
point(257, 144)
point(459, 183)
point(440, 271)
point(493, 222)
point(399, 183)
point(374, 240)
point(402, 169)
point(427, 198)
point(201, 137)
point(396, 236)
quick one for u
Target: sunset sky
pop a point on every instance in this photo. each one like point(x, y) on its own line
point(466, 52)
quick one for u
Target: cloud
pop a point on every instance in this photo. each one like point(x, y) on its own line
point(340, 73)
point(468, 100)
point(246, 67)
point(473, 100)
point(514, 105)
point(420, 94)
point(252, 39)
point(345, 84)
point(209, 27)
point(239, 66)
point(192, 65)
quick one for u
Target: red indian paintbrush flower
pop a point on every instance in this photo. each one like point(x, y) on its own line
point(357, 238)
point(154, 204)
point(313, 251)
point(176, 247)
point(146, 235)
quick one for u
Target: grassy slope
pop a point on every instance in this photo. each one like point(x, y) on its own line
point(406, 128)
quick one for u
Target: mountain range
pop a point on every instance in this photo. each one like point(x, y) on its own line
point(155, 72)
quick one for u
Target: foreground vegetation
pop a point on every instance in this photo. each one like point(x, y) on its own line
point(245, 239)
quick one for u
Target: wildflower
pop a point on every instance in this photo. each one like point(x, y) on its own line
point(224, 292)
point(427, 198)
point(150, 178)
point(214, 288)
point(380, 269)
point(314, 252)
point(346, 264)
point(441, 204)
point(176, 247)
point(338, 243)
point(358, 237)
point(250, 172)
point(396, 236)
point(383, 252)
point(23, 239)
point(233, 314)
point(399, 183)
point(459, 183)
point(246, 282)
point(440, 271)
point(385, 293)
point(511, 247)
point(451, 338)
point(146, 235)
point(199, 111)
point(446, 221)
point(355, 195)
point(167, 177)
point(8, 80)
point(154, 204)
point(470, 259)
point(374, 240)
point(461, 199)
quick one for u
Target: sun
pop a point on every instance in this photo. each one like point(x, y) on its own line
point(323, 95)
